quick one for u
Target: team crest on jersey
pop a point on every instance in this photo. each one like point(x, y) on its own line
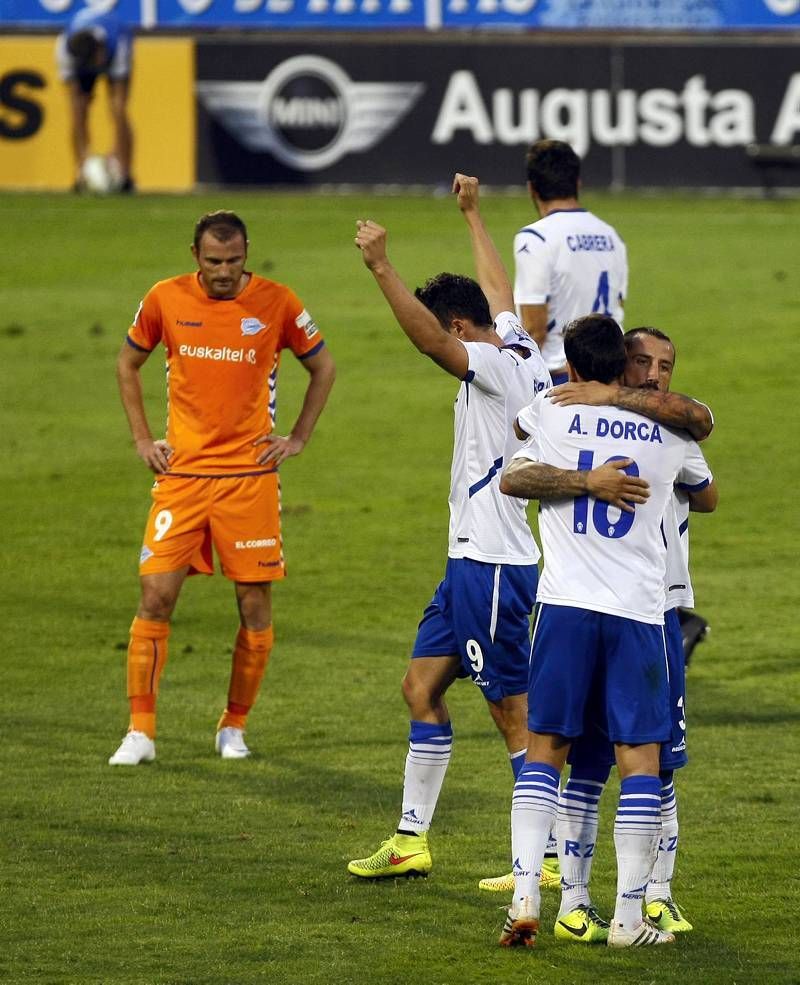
point(306, 322)
point(252, 326)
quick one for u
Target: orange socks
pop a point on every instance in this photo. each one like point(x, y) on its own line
point(147, 655)
point(250, 656)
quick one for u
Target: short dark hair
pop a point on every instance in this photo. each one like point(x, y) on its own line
point(654, 333)
point(594, 348)
point(451, 296)
point(221, 224)
point(553, 169)
point(84, 46)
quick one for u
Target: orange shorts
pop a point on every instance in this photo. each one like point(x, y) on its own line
point(239, 515)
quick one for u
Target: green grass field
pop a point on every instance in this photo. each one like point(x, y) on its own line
point(197, 872)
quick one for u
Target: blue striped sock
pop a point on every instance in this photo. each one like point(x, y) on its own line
point(637, 827)
point(428, 757)
point(660, 885)
point(533, 811)
point(577, 834)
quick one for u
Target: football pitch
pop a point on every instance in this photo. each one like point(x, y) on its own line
point(195, 871)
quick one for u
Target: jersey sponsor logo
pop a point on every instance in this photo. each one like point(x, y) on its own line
point(306, 322)
point(188, 324)
point(252, 326)
point(307, 112)
point(246, 545)
point(224, 354)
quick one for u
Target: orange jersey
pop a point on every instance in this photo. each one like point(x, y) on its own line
point(222, 365)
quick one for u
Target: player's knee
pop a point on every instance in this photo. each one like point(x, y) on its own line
point(416, 694)
point(157, 603)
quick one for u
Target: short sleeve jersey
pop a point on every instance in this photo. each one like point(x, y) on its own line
point(222, 366)
point(485, 525)
point(693, 478)
point(574, 263)
point(595, 556)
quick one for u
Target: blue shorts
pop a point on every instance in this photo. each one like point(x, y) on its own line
point(481, 613)
point(594, 751)
point(590, 663)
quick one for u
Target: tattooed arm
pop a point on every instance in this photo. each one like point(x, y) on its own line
point(535, 480)
point(672, 409)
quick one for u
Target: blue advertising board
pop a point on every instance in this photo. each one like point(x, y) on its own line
point(678, 15)
point(363, 15)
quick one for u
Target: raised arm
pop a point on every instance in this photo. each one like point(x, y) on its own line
point(155, 454)
point(489, 268)
point(321, 370)
point(419, 324)
point(675, 410)
point(527, 479)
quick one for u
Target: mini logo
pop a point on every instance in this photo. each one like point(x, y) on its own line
point(308, 113)
point(577, 931)
point(399, 859)
point(517, 868)
point(252, 326)
point(145, 554)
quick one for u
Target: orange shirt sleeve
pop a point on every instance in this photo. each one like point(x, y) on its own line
point(300, 333)
point(146, 330)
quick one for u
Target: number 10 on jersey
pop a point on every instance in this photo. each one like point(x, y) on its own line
point(600, 519)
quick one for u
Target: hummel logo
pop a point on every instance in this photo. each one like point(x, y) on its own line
point(399, 859)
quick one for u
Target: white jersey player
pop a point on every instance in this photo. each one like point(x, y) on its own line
point(598, 645)
point(569, 263)
point(477, 623)
point(648, 372)
point(484, 524)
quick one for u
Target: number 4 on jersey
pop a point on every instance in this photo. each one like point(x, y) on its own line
point(601, 297)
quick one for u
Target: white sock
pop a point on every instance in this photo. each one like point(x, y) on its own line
point(427, 760)
point(533, 811)
point(660, 885)
point(577, 834)
point(636, 831)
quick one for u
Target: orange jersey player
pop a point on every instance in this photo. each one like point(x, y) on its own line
point(223, 330)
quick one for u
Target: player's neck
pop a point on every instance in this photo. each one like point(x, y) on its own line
point(557, 205)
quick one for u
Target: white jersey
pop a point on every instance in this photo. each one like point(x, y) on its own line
point(676, 531)
point(574, 263)
point(595, 556)
point(485, 525)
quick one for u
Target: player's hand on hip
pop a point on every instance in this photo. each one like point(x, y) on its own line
point(466, 188)
point(371, 240)
point(279, 448)
point(155, 454)
point(613, 485)
point(593, 393)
